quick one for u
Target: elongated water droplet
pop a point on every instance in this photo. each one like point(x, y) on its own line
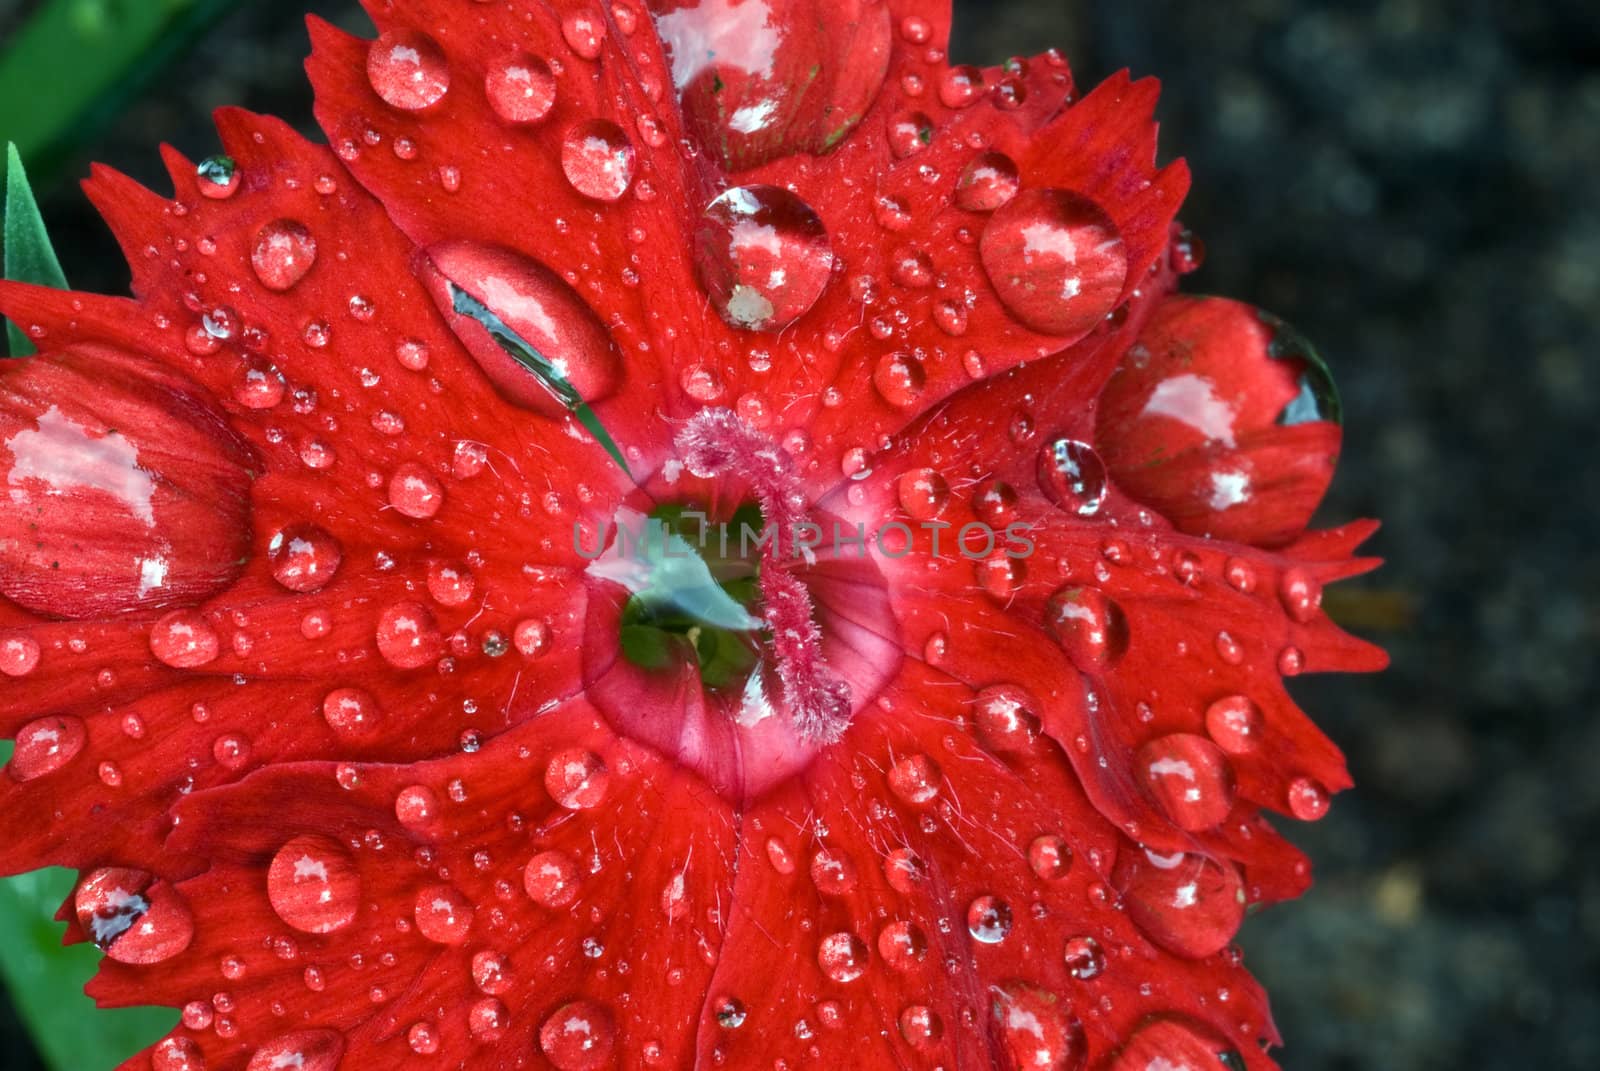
point(1188, 775)
point(46, 745)
point(1072, 476)
point(1035, 1029)
point(1089, 626)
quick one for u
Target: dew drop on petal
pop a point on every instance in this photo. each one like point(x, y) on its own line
point(598, 160)
point(1308, 800)
point(585, 34)
point(988, 182)
point(902, 945)
point(303, 557)
point(521, 89)
point(578, 1037)
point(1089, 626)
point(1072, 476)
point(989, 920)
point(915, 779)
point(46, 745)
point(1170, 1043)
point(408, 636)
point(842, 957)
point(551, 879)
point(408, 70)
point(308, 1050)
point(921, 1026)
point(832, 873)
point(350, 711)
point(899, 379)
point(1190, 905)
point(1083, 957)
point(491, 973)
point(1050, 857)
point(313, 885)
point(416, 806)
point(284, 251)
point(177, 1054)
point(132, 917)
point(487, 1020)
point(763, 256)
point(1301, 594)
point(1189, 776)
point(19, 655)
point(1056, 261)
point(1006, 718)
point(1035, 1029)
point(217, 177)
point(1234, 724)
point(443, 915)
point(415, 492)
point(183, 639)
point(576, 779)
point(923, 493)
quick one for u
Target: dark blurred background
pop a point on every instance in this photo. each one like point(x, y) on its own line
point(1410, 183)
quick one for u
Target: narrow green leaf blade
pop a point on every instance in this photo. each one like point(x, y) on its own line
point(29, 256)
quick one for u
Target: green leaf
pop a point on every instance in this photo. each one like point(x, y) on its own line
point(46, 981)
point(29, 256)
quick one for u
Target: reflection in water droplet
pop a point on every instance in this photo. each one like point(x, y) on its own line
point(309, 1050)
point(1072, 476)
point(988, 182)
point(46, 745)
point(763, 256)
point(521, 89)
point(408, 70)
point(1089, 626)
point(1188, 775)
point(1056, 260)
point(283, 252)
point(598, 159)
point(313, 885)
point(578, 1037)
point(1035, 1029)
point(1187, 904)
point(842, 957)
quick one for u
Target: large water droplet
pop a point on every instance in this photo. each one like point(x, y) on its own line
point(923, 493)
point(989, 181)
point(915, 779)
point(1006, 718)
point(921, 1026)
point(308, 1050)
point(1166, 1043)
point(314, 885)
point(284, 251)
point(833, 873)
point(579, 1036)
point(899, 379)
point(408, 636)
point(989, 920)
point(350, 711)
point(577, 779)
point(1072, 476)
point(46, 745)
point(1189, 777)
point(551, 879)
point(598, 158)
point(1050, 857)
point(1235, 724)
point(1187, 904)
point(177, 1054)
point(1056, 260)
point(1308, 800)
point(842, 957)
point(1090, 628)
point(408, 70)
point(443, 915)
point(763, 256)
point(217, 177)
point(902, 945)
point(529, 308)
point(304, 557)
point(1035, 1029)
point(132, 917)
point(521, 89)
point(184, 639)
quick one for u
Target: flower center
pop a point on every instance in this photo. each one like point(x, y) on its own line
point(741, 641)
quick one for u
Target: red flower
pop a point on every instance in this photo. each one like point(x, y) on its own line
point(327, 666)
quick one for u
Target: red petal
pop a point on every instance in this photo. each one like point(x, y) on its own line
point(1222, 419)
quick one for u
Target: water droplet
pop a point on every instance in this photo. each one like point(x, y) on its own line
point(578, 1037)
point(960, 86)
point(408, 70)
point(1090, 628)
point(899, 379)
point(19, 655)
point(915, 779)
point(217, 177)
point(132, 917)
point(763, 256)
point(46, 745)
point(1035, 1029)
point(314, 885)
point(598, 159)
point(521, 89)
point(1308, 800)
point(1301, 594)
point(415, 492)
point(443, 915)
point(1189, 777)
point(304, 557)
point(923, 493)
point(576, 779)
point(1234, 724)
point(1168, 1043)
point(184, 639)
point(585, 33)
point(989, 920)
point(833, 873)
point(730, 1013)
point(408, 636)
point(909, 134)
point(902, 945)
point(177, 1054)
point(542, 311)
point(1006, 719)
point(416, 806)
point(350, 711)
point(921, 1026)
point(1083, 957)
point(309, 1050)
point(988, 182)
point(905, 870)
point(842, 957)
point(450, 583)
point(1187, 904)
point(1072, 476)
point(491, 973)
point(284, 251)
point(551, 879)
point(487, 1020)
point(1056, 260)
point(1050, 857)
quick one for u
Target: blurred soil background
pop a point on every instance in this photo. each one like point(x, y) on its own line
point(1409, 182)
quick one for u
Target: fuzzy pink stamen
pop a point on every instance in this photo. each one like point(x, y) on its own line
point(716, 442)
